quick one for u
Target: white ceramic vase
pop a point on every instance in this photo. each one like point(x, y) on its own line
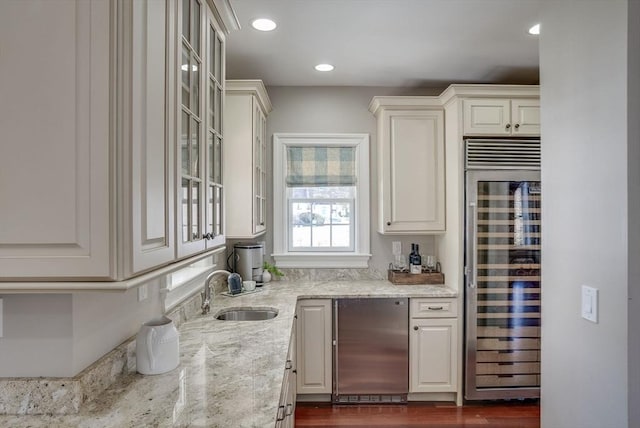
point(157, 347)
point(266, 276)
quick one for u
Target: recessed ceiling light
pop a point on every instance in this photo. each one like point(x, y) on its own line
point(263, 24)
point(324, 67)
point(535, 30)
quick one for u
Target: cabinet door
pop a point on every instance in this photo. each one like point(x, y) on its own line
point(199, 63)
point(487, 117)
point(314, 350)
point(411, 161)
point(433, 350)
point(55, 150)
point(239, 135)
point(259, 168)
point(143, 119)
point(214, 182)
point(525, 115)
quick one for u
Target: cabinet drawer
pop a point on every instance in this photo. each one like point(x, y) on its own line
point(434, 308)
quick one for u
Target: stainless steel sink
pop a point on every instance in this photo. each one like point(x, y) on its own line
point(247, 314)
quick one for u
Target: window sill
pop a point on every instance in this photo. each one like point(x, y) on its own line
point(322, 260)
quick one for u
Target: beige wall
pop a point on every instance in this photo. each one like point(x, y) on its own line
point(585, 173)
point(633, 162)
point(59, 335)
point(339, 109)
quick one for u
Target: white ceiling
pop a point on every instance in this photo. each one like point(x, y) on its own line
point(403, 43)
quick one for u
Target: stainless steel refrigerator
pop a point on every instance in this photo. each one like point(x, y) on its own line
point(502, 269)
point(371, 350)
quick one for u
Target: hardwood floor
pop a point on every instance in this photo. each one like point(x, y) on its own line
point(428, 415)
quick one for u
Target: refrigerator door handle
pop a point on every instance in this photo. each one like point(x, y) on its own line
point(473, 282)
point(335, 348)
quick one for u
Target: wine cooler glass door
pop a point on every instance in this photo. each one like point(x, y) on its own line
point(503, 285)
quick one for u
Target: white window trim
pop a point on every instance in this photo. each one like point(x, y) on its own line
point(359, 258)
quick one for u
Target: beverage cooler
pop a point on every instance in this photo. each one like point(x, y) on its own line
point(502, 269)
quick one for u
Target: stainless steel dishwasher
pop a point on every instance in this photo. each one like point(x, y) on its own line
point(371, 350)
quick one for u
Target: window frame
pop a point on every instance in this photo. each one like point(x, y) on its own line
point(360, 255)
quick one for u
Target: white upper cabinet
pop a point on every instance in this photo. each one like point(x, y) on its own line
point(147, 183)
point(410, 147)
point(499, 116)
point(54, 117)
point(245, 157)
point(91, 133)
point(198, 59)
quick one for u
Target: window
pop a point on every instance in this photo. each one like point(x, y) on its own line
point(321, 200)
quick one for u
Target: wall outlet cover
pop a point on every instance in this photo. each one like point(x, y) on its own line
point(397, 248)
point(143, 292)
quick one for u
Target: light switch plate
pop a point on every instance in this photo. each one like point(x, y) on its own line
point(590, 303)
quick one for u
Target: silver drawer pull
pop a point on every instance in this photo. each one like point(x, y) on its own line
point(280, 416)
point(435, 308)
point(289, 411)
point(288, 365)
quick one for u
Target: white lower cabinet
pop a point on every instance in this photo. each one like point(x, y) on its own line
point(433, 346)
point(287, 407)
point(314, 350)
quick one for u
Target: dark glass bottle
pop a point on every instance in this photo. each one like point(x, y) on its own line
point(415, 261)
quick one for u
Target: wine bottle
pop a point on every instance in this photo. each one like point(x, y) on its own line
point(415, 261)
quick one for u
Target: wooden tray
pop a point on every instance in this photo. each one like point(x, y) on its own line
point(406, 278)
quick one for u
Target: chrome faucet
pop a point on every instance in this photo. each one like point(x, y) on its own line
point(206, 294)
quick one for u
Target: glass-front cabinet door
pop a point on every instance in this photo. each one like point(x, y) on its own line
point(200, 54)
point(503, 285)
point(214, 230)
point(260, 172)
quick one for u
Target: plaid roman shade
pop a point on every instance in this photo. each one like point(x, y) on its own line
point(321, 166)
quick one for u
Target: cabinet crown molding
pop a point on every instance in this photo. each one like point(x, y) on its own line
point(226, 15)
point(456, 90)
point(403, 102)
point(489, 91)
point(251, 87)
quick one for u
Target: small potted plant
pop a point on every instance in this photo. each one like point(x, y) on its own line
point(269, 271)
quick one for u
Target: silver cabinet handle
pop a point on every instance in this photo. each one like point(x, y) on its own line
point(517, 125)
point(416, 328)
point(435, 308)
point(508, 126)
point(289, 411)
point(288, 365)
point(474, 254)
point(280, 416)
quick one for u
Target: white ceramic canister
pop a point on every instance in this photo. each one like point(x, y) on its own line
point(157, 347)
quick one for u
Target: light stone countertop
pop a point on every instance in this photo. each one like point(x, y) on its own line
point(231, 372)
